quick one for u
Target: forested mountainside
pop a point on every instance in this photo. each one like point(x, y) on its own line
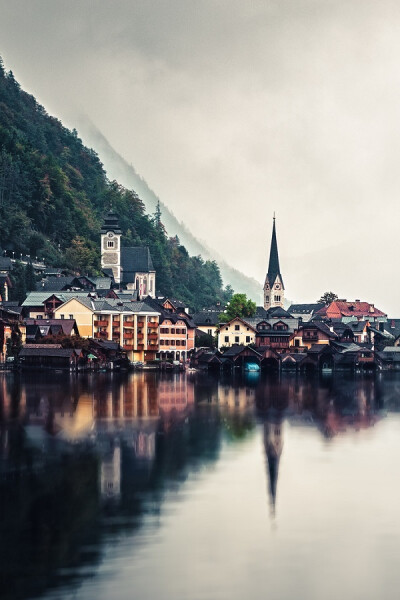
point(118, 168)
point(54, 193)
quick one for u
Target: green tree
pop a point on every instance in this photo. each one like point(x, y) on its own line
point(327, 298)
point(18, 282)
point(239, 306)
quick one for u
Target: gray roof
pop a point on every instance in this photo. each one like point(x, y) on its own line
point(305, 309)
point(135, 260)
point(49, 351)
point(206, 317)
point(37, 298)
point(54, 284)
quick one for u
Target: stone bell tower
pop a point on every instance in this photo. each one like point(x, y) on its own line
point(111, 245)
point(274, 290)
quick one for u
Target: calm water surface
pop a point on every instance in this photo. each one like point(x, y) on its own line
point(190, 486)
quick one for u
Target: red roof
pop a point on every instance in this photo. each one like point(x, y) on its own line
point(340, 308)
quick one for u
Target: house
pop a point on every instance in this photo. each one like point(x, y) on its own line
point(351, 311)
point(177, 329)
point(305, 311)
point(313, 332)
point(388, 359)
point(48, 356)
point(42, 305)
point(236, 331)
point(39, 328)
point(275, 333)
point(207, 321)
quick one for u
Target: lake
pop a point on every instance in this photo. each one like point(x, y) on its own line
point(192, 486)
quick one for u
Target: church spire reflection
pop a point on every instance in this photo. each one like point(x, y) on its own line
point(273, 443)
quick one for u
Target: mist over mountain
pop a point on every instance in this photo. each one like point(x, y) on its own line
point(119, 169)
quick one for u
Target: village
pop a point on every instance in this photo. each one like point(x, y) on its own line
point(118, 321)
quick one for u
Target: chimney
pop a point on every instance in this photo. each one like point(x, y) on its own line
point(357, 300)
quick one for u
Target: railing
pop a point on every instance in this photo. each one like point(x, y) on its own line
point(152, 336)
point(140, 323)
point(100, 323)
point(116, 323)
point(128, 335)
point(140, 336)
point(100, 334)
point(152, 325)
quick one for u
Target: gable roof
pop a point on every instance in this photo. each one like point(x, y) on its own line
point(246, 323)
point(342, 308)
point(54, 284)
point(136, 259)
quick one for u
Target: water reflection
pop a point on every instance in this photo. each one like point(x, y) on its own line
point(86, 459)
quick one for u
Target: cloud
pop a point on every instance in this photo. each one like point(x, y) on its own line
point(232, 110)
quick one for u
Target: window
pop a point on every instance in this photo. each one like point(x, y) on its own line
point(297, 342)
point(226, 328)
point(209, 331)
point(110, 244)
point(247, 339)
point(236, 339)
point(173, 330)
point(71, 316)
point(266, 298)
point(237, 327)
point(61, 316)
point(40, 316)
point(277, 298)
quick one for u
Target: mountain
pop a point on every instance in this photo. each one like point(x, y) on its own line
point(119, 169)
point(54, 193)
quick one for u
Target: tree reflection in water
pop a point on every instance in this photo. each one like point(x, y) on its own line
point(84, 459)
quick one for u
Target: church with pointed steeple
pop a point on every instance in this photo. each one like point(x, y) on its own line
point(274, 289)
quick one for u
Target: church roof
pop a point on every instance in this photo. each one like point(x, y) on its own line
point(136, 259)
point(111, 223)
point(273, 266)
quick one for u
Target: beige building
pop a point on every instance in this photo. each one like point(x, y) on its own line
point(133, 325)
point(236, 331)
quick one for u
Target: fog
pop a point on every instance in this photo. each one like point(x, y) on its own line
point(232, 110)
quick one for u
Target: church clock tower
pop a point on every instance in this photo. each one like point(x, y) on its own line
point(274, 290)
point(111, 246)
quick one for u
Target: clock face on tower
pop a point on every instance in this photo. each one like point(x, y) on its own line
point(110, 234)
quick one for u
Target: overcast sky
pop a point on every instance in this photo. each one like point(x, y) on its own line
point(231, 110)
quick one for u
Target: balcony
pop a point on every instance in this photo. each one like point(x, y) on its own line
point(140, 336)
point(101, 334)
point(311, 338)
point(129, 324)
point(100, 323)
point(128, 346)
point(116, 323)
point(140, 323)
point(115, 335)
point(152, 336)
point(140, 346)
point(128, 335)
point(152, 325)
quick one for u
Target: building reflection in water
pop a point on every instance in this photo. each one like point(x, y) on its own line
point(87, 443)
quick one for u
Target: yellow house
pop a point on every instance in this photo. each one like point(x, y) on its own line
point(81, 310)
point(236, 331)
